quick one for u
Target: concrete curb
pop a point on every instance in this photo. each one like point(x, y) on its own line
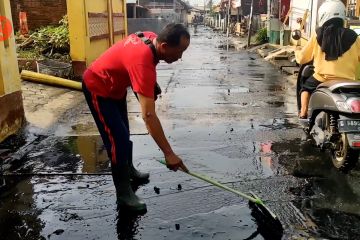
point(279, 56)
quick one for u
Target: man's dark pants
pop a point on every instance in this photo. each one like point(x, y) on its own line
point(112, 121)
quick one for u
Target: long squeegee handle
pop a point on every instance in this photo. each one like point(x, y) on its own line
point(222, 186)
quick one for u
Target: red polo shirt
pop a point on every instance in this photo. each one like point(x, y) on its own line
point(129, 62)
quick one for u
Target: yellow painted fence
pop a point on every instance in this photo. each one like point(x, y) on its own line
point(94, 25)
point(11, 104)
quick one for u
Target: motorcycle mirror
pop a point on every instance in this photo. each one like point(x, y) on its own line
point(296, 34)
point(292, 59)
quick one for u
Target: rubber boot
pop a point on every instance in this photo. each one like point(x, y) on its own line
point(135, 175)
point(126, 198)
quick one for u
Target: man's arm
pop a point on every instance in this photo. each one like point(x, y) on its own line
point(156, 131)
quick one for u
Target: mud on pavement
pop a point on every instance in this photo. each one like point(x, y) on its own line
point(230, 115)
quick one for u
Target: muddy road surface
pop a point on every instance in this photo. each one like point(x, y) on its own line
point(231, 116)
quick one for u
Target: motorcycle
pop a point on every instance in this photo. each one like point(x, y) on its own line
point(333, 118)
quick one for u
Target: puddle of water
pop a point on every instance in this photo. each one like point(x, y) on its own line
point(276, 103)
point(207, 94)
point(279, 123)
point(76, 130)
point(234, 90)
point(195, 94)
point(224, 223)
point(251, 64)
point(257, 76)
point(262, 161)
point(73, 193)
point(63, 154)
point(223, 58)
point(18, 214)
point(277, 88)
point(268, 159)
point(226, 46)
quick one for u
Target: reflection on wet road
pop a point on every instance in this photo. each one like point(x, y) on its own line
point(229, 115)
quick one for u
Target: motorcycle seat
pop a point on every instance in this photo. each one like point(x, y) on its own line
point(332, 85)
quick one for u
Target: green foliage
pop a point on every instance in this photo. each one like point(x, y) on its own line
point(261, 36)
point(53, 37)
point(28, 54)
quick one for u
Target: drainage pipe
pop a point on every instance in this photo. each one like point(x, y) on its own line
point(50, 80)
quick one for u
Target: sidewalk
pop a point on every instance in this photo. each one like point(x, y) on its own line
point(45, 105)
point(279, 56)
point(59, 111)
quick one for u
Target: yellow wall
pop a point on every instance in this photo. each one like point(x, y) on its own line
point(83, 49)
point(9, 73)
point(95, 48)
point(11, 105)
point(120, 7)
point(77, 30)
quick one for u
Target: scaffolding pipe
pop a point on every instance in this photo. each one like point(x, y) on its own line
point(50, 80)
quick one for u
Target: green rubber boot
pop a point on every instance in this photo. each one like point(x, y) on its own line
point(135, 175)
point(126, 197)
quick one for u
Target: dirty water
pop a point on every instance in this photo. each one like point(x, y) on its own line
point(228, 119)
point(70, 202)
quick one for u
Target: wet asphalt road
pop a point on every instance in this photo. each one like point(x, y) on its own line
point(230, 116)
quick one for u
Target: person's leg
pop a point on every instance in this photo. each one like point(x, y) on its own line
point(305, 97)
point(309, 86)
point(115, 135)
point(135, 175)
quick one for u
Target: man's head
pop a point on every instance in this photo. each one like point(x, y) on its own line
point(172, 41)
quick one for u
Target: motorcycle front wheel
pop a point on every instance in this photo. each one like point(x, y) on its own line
point(344, 158)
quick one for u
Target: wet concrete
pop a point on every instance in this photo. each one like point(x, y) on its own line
point(229, 115)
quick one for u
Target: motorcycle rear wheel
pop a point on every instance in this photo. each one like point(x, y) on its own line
point(344, 158)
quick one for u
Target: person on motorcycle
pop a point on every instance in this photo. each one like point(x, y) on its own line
point(334, 50)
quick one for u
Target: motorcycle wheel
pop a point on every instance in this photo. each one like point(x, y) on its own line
point(343, 157)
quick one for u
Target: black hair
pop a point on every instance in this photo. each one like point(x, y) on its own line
point(172, 33)
point(337, 22)
point(334, 39)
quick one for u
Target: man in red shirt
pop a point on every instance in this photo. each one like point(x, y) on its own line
point(132, 63)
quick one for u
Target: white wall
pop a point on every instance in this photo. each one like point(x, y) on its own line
point(167, 14)
point(298, 10)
